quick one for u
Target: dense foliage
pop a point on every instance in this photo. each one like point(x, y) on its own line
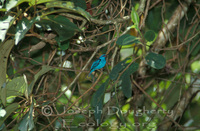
point(150, 82)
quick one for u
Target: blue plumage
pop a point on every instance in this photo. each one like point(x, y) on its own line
point(98, 64)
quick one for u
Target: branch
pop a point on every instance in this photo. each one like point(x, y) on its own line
point(164, 34)
point(179, 109)
point(97, 49)
point(99, 22)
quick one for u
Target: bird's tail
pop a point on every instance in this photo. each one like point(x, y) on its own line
point(90, 73)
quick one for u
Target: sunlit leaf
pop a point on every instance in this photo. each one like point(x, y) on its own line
point(4, 26)
point(135, 17)
point(16, 87)
point(11, 4)
point(22, 27)
point(195, 66)
point(14, 3)
point(156, 61)
point(5, 49)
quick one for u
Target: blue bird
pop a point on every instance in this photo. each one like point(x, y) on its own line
point(98, 64)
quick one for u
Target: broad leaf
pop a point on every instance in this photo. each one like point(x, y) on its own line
point(116, 69)
point(5, 49)
point(63, 45)
point(149, 36)
point(127, 40)
point(156, 61)
point(126, 86)
point(97, 100)
point(16, 87)
point(22, 27)
point(131, 69)
point(80, 3)
point(135, 17)
point(27, 122)
point(130, 40)
point(9, 109)
point(61, 25)
point(3, 94)
point(4, 26)
point(13, 3)
point(126, 82)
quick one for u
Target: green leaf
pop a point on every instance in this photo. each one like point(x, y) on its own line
point(135, 17)
point(58, 123)
point(61, 25)
point(2, 126)
point(130, 40)
point(127, 40)
point(156, 61)
point(38, 57)
point(14, 3)
point(63, 45)
point(149, 35)
point(44, 70)
point(80, 3)
point(36, 2)
point(22, 27)
point(126, 82)
point(16, 87)
point(27, 122)
point(9, 109)
point(116, 69)
point(3, 94)
point(5, 49)
point(11, 4)
point(4, 26)
point(131, 69)
point(97, 101)
point(126, 86)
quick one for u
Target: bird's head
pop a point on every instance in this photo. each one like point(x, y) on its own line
point(103, 55)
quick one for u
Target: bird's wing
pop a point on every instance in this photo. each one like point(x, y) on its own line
point(95, 64)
